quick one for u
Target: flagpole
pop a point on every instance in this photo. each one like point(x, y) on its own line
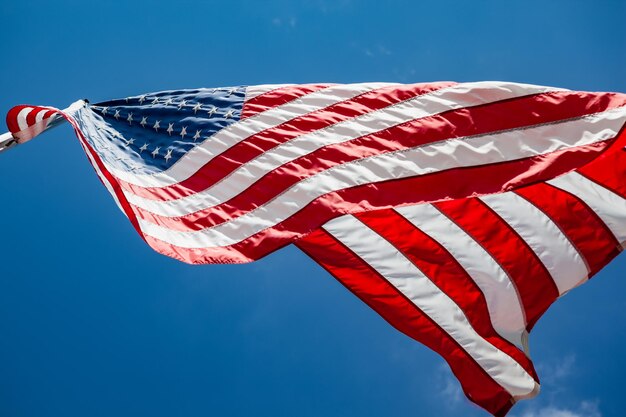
point(7, 141)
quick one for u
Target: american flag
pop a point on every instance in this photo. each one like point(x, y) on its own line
point(458, 211)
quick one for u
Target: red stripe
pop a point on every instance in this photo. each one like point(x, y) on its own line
point(589, 235)
point(458, 123)
point(534, 284)
point(12, 117)
point(225, 163)
point(609, 170)
point(30, 117)
point(481, 180)
point(277, 97)
point(358, 277)
point(49, 114)
point(442, 268)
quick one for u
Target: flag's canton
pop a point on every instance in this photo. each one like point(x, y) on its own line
point(149, 133)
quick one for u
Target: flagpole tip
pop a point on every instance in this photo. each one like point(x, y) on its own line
point(7, 141)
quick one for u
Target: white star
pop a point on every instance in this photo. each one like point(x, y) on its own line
point(144, 121)
point(117, 114)
point(170, 128)
point(181, 104)
point(231, 91)
point(142, 99)
point(229, 114)
point(155, 152)
point(130, 141)
point(183, 132)
point(197, 107)
point(168, 102)
point(212, 111)
point(157, 125)
point(168, 155)
point(104, 110)
point(155, 101)
point(197, 135)
point(130, 118)
point(143, 147)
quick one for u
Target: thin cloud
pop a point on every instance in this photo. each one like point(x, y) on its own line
point(555, 372)
point(377, 50)
point(585, 409)
point(448, 387)
point(289, 22)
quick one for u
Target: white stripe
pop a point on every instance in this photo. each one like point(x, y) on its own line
point(437, 305)
point(505, 308)
point(256, 90)
point(239, 131)
point(21, 117)
point(544, 237)
point(610, 207)
point(39, 116)
point(39, 125)
point(453, 153)
point(375, 121)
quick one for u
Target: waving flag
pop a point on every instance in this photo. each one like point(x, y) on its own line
point(459, 212)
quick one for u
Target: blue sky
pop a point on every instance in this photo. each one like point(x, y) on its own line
point(93, 323)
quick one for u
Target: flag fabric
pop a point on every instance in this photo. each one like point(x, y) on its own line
point(458, 211)
point(469, 278)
